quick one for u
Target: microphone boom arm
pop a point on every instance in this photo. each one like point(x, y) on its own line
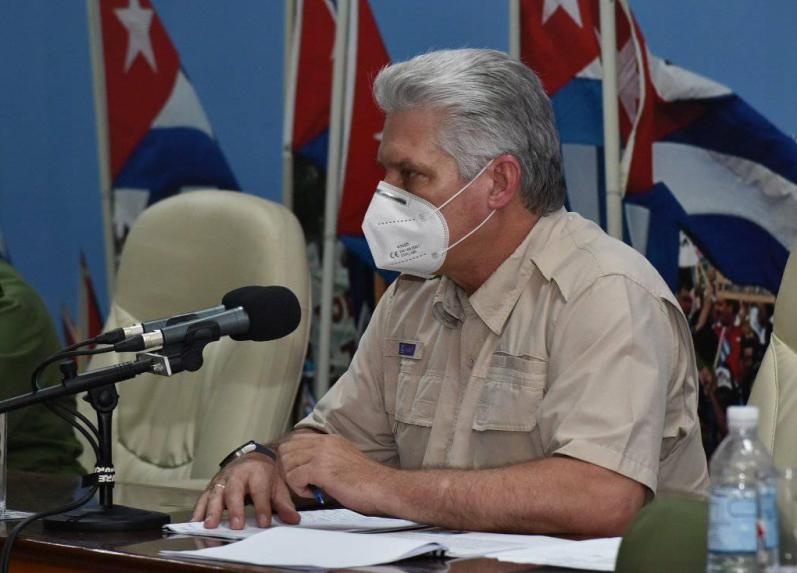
point(165, 363)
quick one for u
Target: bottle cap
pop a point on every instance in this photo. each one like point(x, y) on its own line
point(742, 416)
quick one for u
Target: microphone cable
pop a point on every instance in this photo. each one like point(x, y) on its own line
point(5, 557)
point(71, 416)
point(69, 352)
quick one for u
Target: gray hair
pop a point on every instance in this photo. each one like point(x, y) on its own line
point(494, 105)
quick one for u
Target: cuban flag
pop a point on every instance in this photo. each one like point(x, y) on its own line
point(363, 121)
point(159, 138)
point(313, 51)
point(709, 164)
point(696, 157)
point(365, 56)
point(560, 41)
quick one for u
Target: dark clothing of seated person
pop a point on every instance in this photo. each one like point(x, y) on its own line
point(38, 440)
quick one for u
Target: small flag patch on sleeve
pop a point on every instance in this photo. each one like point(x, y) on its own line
point(407, 349)
point(404, 348)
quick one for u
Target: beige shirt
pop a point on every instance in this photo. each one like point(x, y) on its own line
point(574, 346)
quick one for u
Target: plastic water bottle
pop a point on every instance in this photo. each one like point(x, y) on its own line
point(743, 523)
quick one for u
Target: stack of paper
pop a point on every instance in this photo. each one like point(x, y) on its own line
point(333, 538)
point(324, 519)
point(296, 547)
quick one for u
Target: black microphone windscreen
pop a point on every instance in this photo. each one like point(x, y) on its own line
point(273, 311)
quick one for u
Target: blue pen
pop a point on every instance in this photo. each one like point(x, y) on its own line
point(319, 497)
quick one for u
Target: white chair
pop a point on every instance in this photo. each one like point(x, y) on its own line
point(184, 254)
point(775, 387)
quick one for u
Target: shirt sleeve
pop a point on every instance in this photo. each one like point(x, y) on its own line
point(611, 362)
point(355, 407)
point(38, 440)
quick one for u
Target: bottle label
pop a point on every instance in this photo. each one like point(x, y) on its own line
point(733, 519)
point(768, 517)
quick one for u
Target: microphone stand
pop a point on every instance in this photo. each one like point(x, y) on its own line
point(106, 516)
point(103, 397)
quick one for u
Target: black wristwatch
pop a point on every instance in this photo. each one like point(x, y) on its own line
point(250, 446)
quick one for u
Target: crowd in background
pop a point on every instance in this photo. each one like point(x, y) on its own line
point(730, 332)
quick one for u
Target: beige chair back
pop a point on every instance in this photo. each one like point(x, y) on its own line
point(184, 254)
point(775, 387)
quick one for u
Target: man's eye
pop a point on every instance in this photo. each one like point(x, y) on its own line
point(411, 175)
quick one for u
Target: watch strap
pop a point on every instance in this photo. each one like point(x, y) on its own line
point(248, 447)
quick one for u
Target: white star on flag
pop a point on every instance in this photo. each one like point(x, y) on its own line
point(137, 20)
point(569, 6)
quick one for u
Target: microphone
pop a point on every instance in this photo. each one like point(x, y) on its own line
point(119, 334)
point(255, 313)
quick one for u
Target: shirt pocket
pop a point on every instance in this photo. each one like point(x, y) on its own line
point(513, 389)
point(416, 398)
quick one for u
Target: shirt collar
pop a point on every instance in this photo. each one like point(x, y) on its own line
point(496, 298)
point(446, 305)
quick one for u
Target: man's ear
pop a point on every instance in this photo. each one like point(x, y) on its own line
point(506, 181)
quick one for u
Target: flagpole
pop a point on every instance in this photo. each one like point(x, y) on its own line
point(514, 28)
point(290, 62)
point(103, 152)
point(611, 123)
point(332, 190)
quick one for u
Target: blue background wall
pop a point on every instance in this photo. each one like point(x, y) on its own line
point(49, 187)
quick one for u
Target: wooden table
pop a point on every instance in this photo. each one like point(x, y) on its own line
point(49, 551)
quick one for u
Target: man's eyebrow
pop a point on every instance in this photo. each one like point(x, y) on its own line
point(403, 164)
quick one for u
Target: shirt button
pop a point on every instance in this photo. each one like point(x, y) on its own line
point(471, 362)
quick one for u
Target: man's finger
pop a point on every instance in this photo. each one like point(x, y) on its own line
point(298, 480)
point(234, 500)
point(215, 505)
point(300, 442)
point(260, 490)
point(283, 504)
point(199, 508)
point(295, 458)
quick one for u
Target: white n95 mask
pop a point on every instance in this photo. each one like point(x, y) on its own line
point(408, 234)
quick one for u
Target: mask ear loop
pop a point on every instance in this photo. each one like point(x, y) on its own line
point(469, 233)
point(455, 195)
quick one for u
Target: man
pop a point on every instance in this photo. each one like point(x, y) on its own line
point(728, 335)
point(543, 381)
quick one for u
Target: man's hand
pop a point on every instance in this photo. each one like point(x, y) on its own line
point(254, 474)
point(336, 466)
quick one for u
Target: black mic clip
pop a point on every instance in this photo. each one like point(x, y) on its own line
point(173, 358)
point(193, 345)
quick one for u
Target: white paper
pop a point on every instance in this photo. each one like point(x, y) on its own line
point(297, 547)
point(469, 544)
point(326, 519)
point(592, 554)
point(223, 531)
